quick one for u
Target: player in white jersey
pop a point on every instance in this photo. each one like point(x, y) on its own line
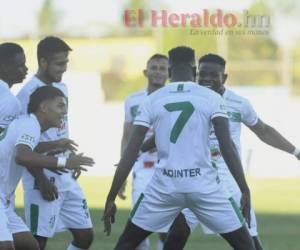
point(156, 73)
point(181, 114)
point(54, 202)
point(12, 70)
point(47, 107)
point(212, 75)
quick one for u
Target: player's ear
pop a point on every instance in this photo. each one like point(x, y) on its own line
point(43, 63)
point(145, 73)
point(43, 106)
point(194, 68)
point(224, 78)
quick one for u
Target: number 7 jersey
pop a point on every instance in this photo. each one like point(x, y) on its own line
point(181, 115)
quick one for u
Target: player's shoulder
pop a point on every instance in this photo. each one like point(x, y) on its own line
point(136, 95)
point(233, 97)
point(31, 85)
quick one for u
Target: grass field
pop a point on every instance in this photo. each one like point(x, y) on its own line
point(276, 202)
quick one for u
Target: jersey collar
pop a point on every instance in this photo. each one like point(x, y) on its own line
point(33, 116)
point(4, 84)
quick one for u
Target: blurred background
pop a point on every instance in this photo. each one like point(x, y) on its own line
point(263, 63)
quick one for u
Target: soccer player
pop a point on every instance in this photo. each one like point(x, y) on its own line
point(47, 107)
point(181, 114)
point(12, 70)
point(212, 75)
point(54, 202)
point(157, 73)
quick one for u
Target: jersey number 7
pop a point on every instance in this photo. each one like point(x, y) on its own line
point(187, 110)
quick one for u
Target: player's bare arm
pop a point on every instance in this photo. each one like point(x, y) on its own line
point(233, 162)
point(272, 137)
point(125, 165)
point(149, 144)
point(61, 144)
point(26, 157)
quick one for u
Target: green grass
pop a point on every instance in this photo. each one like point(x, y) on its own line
point(276, 202)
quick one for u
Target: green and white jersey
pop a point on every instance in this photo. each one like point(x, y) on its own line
point(143, 169)
point(63, 182)
point(24, 130)
point(239, 111)
point(181, 115)
point(10, 106)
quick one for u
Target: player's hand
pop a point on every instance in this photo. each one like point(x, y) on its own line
point(48, 190)
point(246, 205)
point(76, 162)
point(58, 172)
point(121, 193)
point(76, 174)
point(298, 156)
point(108, 217)
point(66, 144)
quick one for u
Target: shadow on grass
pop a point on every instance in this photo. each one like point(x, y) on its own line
point(277, 232)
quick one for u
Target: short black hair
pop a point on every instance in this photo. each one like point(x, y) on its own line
point(157, 56)
point(180, 55)
point(213, 58)
point(42, 94)
point(8, 51)
point(51, 45)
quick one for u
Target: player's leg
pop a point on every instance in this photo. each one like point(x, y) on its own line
point(239, 239)
point(82, 239)
point(257, 243)
point(178, 234)
point(75, 216)
point(25, 241)
point(161, 239)
point(41, 216)
point(6, 239)
point(131, 237)
point(221, 214)
point(22, 237)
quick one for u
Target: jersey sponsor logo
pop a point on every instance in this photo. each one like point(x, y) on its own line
point(9, 118)
point(148, 164)
point(182, 173)
point(235, 116)
point(27, 139)
point(134, 110)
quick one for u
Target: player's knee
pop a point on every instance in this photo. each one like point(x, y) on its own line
point(6, 245)
point(83, 238)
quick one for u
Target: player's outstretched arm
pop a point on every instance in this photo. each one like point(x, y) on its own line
point(61, 144)
point(149, 144)
point(233, 162)
point(124, 166)
point(273, 138)
point(30, 159)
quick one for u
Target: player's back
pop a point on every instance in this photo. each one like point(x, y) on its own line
point(181, 116)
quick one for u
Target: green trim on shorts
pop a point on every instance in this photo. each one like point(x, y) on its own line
point(34, 218)
point(237, 210)
point(132, 213)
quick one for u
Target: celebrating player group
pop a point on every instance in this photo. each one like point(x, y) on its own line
point(181, 141)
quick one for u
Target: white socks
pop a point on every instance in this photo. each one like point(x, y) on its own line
point(72, 247)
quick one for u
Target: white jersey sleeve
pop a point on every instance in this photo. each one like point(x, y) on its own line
point(29, 135)
point(23, 97)
point(218, 107)
point(144, 114)
point(128, 116)
point(249, 116)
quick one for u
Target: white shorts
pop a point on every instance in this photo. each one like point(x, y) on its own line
point(10, 222)
point(69, 211)
point(193, 221)
point(155, 211)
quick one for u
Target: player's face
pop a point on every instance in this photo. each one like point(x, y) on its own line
point(212, 75)
point(56, 66)
point(157, 72)
point(16, 69)
point(55, 111)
